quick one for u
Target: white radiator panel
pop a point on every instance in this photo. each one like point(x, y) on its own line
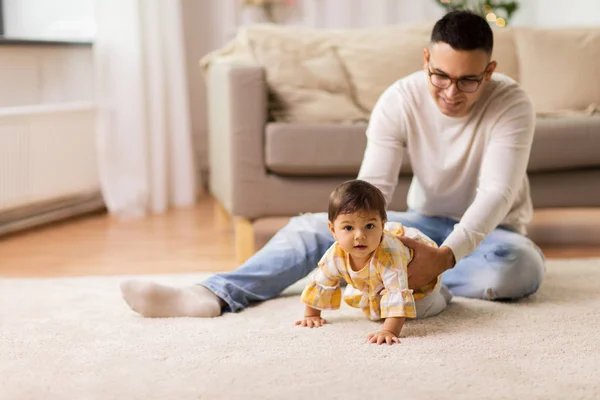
point(46, 156)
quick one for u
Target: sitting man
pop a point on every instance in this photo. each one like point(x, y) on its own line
point(469, 133)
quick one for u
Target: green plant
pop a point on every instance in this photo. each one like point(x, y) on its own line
point(498, 12)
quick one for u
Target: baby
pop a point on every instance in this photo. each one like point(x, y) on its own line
point(368, 255)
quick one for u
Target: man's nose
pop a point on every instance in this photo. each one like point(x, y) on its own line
point(452, 90)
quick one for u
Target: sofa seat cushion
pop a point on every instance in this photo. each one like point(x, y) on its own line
point(316, 149)
point(566, 143)
point(337, 149)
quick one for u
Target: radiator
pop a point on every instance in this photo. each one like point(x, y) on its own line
point(48, 164)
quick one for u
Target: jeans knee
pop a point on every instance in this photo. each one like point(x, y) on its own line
point(310, 221)
point(517, 271)
point(306, 233)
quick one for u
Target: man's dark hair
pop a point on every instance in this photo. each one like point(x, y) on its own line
point(464, 30)
point(356, 195)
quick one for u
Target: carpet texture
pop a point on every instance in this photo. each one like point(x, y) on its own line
point(76, 339)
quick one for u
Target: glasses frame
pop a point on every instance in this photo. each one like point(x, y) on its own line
point(454, 81)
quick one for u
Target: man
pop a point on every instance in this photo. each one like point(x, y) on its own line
point(469, 136)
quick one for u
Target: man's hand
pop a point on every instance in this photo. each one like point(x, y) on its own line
point(383, 336)
point(427, 262)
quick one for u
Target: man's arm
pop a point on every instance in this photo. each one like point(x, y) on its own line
point(502, 171)
point(386, 137)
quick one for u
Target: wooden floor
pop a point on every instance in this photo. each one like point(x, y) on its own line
point(182, 241)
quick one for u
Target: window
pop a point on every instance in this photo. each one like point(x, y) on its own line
point(47, 19)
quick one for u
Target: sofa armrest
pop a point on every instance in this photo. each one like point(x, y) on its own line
point(237, 114)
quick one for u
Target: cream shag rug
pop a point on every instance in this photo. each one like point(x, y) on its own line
point(76, 339)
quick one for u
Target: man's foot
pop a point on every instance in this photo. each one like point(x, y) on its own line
point(444, 291)
point(154, 300)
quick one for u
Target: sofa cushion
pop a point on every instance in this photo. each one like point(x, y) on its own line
point(565, 143)
point(337, 149)
point(303, 80)
point(559, 67)
point(299, 94)
point(372, 68)
point(505, 52)
point(316, 149)
point(336, 75)
point(292, 57)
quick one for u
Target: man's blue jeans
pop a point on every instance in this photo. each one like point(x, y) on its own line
point(507, 265)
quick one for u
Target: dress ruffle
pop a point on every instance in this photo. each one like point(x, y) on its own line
point(322, 297)
point(399, 303)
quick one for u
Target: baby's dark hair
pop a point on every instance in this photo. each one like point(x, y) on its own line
point(356, 195)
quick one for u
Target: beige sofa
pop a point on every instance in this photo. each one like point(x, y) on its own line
point(288, 109)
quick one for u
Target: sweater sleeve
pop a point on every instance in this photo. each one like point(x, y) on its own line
point(386, 137)
point(502, 171)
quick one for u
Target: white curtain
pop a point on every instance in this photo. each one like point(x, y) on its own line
point(144, 133)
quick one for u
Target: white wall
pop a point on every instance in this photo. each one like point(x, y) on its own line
point(560, 13)
point(75, 18)
point(363, 13)
point(338, 13)
point(49, 18)
point(42, 75)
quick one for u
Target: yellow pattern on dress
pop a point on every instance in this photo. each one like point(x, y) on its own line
point(380, 288)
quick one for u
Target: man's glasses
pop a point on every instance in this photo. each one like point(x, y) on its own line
point(467, 85)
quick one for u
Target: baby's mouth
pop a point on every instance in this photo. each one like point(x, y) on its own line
point(360, 247)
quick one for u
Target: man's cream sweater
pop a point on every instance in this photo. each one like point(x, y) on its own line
point(471, 168)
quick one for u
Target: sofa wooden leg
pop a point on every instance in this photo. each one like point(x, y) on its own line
point(244, 239)
point(223, 219)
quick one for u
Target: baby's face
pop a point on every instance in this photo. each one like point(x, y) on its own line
point(358, 233)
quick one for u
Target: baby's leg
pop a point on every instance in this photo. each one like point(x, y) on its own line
point(153, 300)
point(434, 303)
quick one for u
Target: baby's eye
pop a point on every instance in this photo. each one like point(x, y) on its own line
point(370, 226)
point(347, 228)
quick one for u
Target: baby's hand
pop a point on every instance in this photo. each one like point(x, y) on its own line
point(383, 336)
point(312, 322)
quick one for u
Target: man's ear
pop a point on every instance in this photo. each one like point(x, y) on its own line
point(490, 71)
point(426, 58)
point(330, 225)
